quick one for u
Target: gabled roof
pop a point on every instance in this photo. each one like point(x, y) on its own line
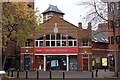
point(53, 8)
point(60, 19)
point(99, 37)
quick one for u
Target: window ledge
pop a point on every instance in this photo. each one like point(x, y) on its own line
point(85, 47)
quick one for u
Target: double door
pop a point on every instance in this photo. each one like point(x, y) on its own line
point(26, 62)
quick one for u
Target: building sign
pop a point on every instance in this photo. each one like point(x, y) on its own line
point(55, 50)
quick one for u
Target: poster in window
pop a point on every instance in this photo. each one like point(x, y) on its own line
point(104, 61)
point(54, 63)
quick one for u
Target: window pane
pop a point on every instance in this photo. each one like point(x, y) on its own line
point(27, 44)
point(36, 43)
point(41, 38)
point(53, 37)
point(63, 43)
point(85, 42)
point(58, 36)
point(52, 43)
point(85, 55)
point(58, 43)
point(47, 37)
point(75, 43)
point(70, 37)
point(47, 43)
point(40, 43)
point(63, 36)
point(112, 41)
point(70, 43)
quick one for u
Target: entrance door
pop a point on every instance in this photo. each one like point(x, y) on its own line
point(26, 62)
point(85, 64)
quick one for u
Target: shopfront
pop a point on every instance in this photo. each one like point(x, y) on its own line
point(56, 58)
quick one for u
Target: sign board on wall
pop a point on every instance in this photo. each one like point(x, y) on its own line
point(55, 50)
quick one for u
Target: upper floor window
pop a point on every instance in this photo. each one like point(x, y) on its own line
point(118, 23)
point(85, 42)
point(56, 40)
point(46, 17)
point(27, 44)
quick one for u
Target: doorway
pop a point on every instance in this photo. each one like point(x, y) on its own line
point(26, 62)
point(85, 62)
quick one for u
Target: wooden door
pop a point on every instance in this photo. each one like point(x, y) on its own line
point(85, 64)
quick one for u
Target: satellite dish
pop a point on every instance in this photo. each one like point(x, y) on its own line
point(107, 1)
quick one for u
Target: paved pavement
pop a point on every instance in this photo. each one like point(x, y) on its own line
point(67, 74)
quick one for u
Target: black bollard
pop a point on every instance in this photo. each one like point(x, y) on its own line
point(105, 69)
point(11, 73)
point(63, 75)
point(8, 72)
point(117, 74)
point(50, 75)
point(26, 75)
point(92, 74)
point(96, 72)
point(37, 74)
point(17, 73)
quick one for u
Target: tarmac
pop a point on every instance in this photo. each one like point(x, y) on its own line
point(67, 75)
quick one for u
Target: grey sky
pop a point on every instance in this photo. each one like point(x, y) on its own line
point(71, 8)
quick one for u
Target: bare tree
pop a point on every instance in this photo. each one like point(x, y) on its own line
point(97, 13)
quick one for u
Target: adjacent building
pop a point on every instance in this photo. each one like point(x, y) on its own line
point(114, 22)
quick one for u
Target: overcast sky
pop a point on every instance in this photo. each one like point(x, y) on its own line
point(72, 10)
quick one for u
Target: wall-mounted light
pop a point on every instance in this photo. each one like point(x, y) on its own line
point(26, 51)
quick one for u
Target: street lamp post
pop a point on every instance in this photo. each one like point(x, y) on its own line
point(114, 34)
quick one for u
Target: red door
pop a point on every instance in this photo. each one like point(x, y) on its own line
point(85, 64)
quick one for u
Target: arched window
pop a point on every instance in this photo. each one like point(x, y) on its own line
point(56, 40)
point(39, 42)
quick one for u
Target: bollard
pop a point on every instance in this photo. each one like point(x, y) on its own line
point(117, 74)
point(26, 75)
point(17, 73)
point(37, 74)
point(8, 72)
point(63, 75)
point(11, 73)
point(92, 74)
point(105, 69)
point(96, 72)
point(50, 75)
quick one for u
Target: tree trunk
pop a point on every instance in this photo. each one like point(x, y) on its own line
point(5, 57)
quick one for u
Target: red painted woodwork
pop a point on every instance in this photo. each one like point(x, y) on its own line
point(85, 64)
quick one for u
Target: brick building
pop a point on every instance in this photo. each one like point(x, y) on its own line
point(60, 45)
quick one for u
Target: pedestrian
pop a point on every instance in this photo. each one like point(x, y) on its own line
point(93, 64)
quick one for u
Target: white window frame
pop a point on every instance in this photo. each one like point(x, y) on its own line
point(27, 44)
point(85, 44)
point(61, 40)
point(72, 43)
